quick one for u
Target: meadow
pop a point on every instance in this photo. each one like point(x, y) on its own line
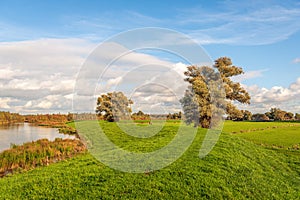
point(279, 135)
point(250, 161)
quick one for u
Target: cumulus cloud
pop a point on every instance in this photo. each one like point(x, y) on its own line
point(39, 76)
point(155, 85)
point(6, 73)
point(52, 55)
point(4, 103)
point(262, 99)
point(31, 71)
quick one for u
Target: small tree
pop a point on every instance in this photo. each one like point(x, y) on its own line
point(140, 115)
point(247, 115)
point(234, 113)
point(113, 106)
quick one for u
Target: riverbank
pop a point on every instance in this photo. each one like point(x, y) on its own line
point(20, 133)
point(39, 153)
point(27, 146)
point(58, 121)
point(62, 127)
point(8, 118)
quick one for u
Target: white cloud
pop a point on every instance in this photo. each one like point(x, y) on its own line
point(180, 68)
point(262, 99)
point(33, 71)
point(51, 55)
point(249, 75)
point(296, 60)
point(6, 73)
point(245, 23)
point(28, 84)
point(28, 104)
point(44, 105)
point(39, 76)
point(4, 103)
point(230, 22)
point(159, 91)
point(146, 79)
point(114, 81)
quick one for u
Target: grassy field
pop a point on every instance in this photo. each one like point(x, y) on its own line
point(282, 135)
point(237, 168)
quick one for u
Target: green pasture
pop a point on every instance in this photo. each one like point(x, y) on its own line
point(271, 134)
point(236, 168)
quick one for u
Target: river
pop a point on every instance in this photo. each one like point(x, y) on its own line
point(21, 133)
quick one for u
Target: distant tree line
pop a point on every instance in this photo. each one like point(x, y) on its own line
point(116, 106)
point(82, 116)
point(174, 115)
point(7, 117)
point(140, 116)
point(60, 118)
point(158, 116)
point(275, 114)
point(52, 120)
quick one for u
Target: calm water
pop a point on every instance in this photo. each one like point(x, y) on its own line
point(20, 133)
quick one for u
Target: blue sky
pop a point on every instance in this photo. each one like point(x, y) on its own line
point(263, 37)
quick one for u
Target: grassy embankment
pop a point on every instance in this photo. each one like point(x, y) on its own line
point(236, 168)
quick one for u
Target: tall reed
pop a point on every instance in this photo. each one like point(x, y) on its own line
point(38, 153)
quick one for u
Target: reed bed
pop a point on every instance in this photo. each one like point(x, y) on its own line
point(39, 153)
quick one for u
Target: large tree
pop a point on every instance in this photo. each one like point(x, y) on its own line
point(204, 94)
point(113, 106)
point(279, 115)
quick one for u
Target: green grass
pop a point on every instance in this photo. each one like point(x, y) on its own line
point(235, 169)
point(242, 127)
point(271, 134)
point(162, 133)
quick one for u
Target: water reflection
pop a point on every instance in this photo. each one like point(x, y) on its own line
point(20, 133)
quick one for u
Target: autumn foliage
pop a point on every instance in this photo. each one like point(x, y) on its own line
point(7, 117)
point(53, 120)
